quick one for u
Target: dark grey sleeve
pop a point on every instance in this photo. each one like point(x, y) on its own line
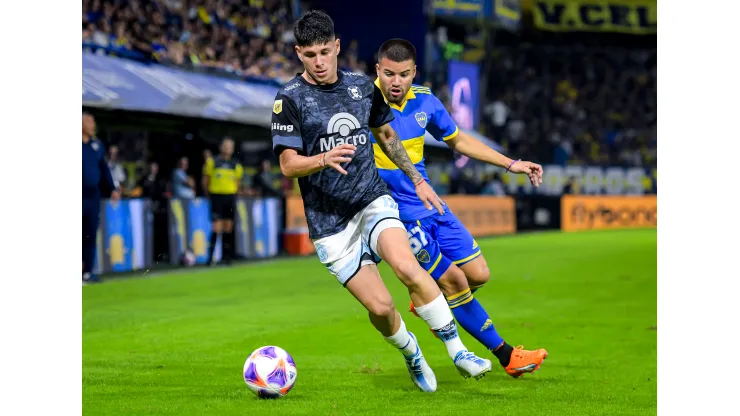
point(286, 122)
point(380, 112)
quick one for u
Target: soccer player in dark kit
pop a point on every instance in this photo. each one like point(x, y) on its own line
point(321, 125)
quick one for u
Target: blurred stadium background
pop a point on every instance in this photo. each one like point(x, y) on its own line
point(570, 84)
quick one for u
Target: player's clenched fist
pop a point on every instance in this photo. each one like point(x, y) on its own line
point(340, 154)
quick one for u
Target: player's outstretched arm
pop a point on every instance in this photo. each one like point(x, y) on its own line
point(474, 148)
point(294, 165)
point(391, 145)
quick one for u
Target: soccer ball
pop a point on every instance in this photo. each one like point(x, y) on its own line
point(270, 372)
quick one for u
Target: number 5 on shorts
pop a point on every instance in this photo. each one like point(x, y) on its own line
point(417, 243)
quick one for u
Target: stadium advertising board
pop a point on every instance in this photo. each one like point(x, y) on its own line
point(125, 236)
point(624, 16)
point(537, 212)
point(590, 180)
point(608, 212)
point(463, 78)
point(256, 228)
point(484, 215)
point(265, 226)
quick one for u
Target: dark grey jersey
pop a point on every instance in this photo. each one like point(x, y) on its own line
point(313, 119)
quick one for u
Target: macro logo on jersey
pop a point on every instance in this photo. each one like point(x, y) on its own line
point(421, 118)
point(354, 92)
point(340, 129)
point(277, 107)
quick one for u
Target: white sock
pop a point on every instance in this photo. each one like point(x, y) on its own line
point(402, 340)
point(438, 316)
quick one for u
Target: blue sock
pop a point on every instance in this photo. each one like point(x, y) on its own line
point(474, 319)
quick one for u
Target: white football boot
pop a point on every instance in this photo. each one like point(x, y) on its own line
point(420, 372)
point(470, 365)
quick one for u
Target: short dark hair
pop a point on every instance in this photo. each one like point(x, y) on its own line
point(397, 50)
point(314, 27)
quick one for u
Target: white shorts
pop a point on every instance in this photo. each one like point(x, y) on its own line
point(357, 245)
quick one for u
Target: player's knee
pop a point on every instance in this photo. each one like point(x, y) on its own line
point(408, 271)
point(453, 281)
point(381, 306)
point(480, 275)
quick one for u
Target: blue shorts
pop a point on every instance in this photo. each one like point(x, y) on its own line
point(440, 241)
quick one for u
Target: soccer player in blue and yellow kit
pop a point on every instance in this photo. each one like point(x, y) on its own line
point(440, 242)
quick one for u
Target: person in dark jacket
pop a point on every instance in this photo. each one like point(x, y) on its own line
point(97, 182)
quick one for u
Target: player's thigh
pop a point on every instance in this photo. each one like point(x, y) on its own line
point(368, 288)
point(386, 236)
point(344, 253)
point(426, 250)
point(455, 241)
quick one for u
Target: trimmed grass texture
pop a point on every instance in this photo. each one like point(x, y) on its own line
point(175, 344)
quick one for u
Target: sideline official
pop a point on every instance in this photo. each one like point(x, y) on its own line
point(221, 178)
point(96, 182)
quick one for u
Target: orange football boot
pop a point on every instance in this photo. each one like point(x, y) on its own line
point(524, 361)
point(413, 310)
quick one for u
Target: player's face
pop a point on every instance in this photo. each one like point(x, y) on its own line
point(88, 125)
point(395, 78)
point(320, 61)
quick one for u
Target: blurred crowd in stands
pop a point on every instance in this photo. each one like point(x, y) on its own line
point(247, 38)
point(555, 105)
point(575, 106)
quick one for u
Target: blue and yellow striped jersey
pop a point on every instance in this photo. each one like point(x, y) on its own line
point(420, 112)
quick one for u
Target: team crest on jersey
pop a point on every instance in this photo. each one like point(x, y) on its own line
point(421, 118)
point(277, 107)
point(95, 146)
point(354, 92)
point(423, 256)
point(323, 255)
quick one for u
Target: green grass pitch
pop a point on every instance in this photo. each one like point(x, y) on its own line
point(175, 344)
